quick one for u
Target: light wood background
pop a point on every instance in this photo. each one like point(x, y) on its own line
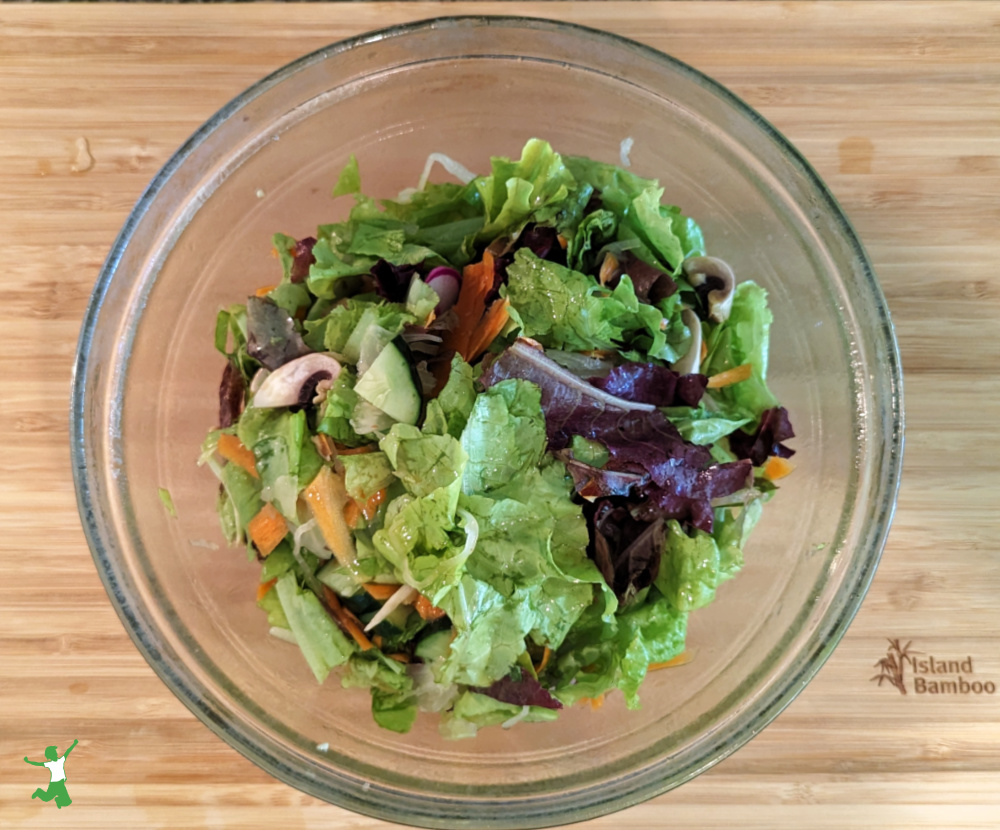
point(898, 107)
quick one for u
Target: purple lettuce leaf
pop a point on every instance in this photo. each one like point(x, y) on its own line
point(651, 284)
point(392, 281)
point(272, 338)
point(231, 391)
point(649, 383)
point(302, 258)
point(625, 550)
point(766, 440)
point(569, 403)
point(525, 691)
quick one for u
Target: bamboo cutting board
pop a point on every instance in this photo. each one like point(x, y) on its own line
point(898, 107)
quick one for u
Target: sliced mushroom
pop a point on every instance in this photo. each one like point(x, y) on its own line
point(691, 362)
point(294, 384)
point(706, 270)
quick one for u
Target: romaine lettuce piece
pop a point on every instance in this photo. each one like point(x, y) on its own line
point(322, 643)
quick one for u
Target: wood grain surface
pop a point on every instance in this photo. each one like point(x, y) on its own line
point(898, 107)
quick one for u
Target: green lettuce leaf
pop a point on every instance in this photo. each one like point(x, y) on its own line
point(239, 501)
point(322, 643)
point(394, 704)
point(505, 435)
point(332, 275)
point(693, 567)
point(366, 473)
point(743, 338)
point(335, 416)
point(700, 426)
point(564, 309)
point(344, 328)
point(533, 187)
point(449, 411)
point(423, 462)
point(472, 711)
point(349, 180)
point(287, 460)
point(601, 654)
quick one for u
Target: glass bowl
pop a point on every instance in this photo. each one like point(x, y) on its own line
point(145, 391)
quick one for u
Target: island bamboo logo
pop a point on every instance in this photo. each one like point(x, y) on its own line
point(928, 675)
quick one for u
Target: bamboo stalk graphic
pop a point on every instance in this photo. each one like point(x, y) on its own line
point(893, 665)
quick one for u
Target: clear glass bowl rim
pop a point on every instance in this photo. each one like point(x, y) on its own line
point(543, 810)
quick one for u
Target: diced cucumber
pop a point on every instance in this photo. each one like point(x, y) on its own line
point(388, 385)
point(434, 646)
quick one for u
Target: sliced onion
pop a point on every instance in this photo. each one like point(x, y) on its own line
point(403, 595)
point(445, 282)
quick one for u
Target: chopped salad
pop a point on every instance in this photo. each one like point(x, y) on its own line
point(493, 441)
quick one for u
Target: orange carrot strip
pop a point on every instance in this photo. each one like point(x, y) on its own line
point(371, 506)
point(327, 498)
point(380, 591)
point(264, 290)
point(775, 468)
point(545, 660)
point(352, 512)
point(346, 620)
point(377, 640)
point(490, 326)
point(704, 350)
point(730, 376)
point(477, 282)
point(595, 702)
point(231, 448)
point(426, 610)
point(267, 529)
point(681, 659)
point(264, 587)
point(399, 658)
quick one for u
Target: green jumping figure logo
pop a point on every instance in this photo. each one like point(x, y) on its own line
point(57, 783)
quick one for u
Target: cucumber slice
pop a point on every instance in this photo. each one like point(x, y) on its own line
point(434, 646)
point(388, 385)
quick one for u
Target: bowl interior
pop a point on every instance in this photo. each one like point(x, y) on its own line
point(201, 239)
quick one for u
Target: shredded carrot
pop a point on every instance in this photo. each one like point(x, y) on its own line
point(231, 448)
point(775, 468)
point(681, 659)
point(426, 610)
point(489, 327)
point(545, 660)
point(371, 506)
point(267, 529)
point(325, 446)
point(274, 252)
point(327, 498)
point(595, 702)
point(380, 591)
point(264, 290)
point(704, 350)
point(346, 620)
point(352, 512)
point(377, 640)
point(399, 658)
point(264, 587)
point(730, 376)
point(354, 450)
point(562, 240)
